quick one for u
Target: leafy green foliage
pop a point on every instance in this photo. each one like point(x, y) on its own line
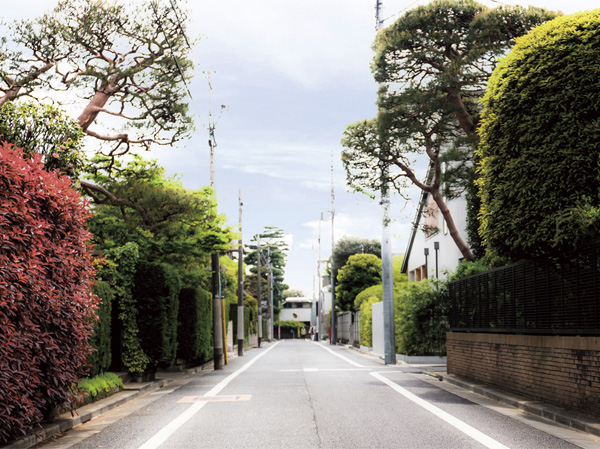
point(194, 334)
point(47, 308)
point(118, 271)
point(366, 320)
point(177, 226)
point(44, 130)
point(432, 64)
point(128, 62)
point(348, 246)
point(102, 383)
point(361, 271)
point(156, 294)
point(421, 317)
point(372, 291)
point(540, 142)
point(273, 246)
point(291, 324)
point(101, 358)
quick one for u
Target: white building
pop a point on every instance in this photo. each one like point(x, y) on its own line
point(431, 251)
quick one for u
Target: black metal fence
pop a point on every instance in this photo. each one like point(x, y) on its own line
point(529, 297)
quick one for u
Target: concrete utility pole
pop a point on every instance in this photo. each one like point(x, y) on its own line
point(218, 305)
point(333, 316)
point(240, 310)
point(217, 320)
point(218, 332)
point(271, 320)
point(387, 272)
point(259, 288)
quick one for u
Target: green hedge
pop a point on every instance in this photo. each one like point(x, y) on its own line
point(366, 321)
point(100, 359)
point(156, 292)
point(421, 318)
point(540, 142)
point(194, 335)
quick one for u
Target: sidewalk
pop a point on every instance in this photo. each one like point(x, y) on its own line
point(130, 392)
point(568, 418)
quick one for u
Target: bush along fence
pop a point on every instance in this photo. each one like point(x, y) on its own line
point(531, 328)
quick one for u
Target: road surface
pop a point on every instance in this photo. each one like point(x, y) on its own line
point(303, 394)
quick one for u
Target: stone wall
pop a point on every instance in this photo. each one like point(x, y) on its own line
point(564, 371)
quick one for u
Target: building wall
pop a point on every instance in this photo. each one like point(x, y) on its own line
point(449, 256)
point(564, 371)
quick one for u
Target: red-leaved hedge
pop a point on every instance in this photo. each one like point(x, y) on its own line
point(47, 309)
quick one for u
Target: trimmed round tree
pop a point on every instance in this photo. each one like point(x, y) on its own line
point(361, 271)
point(47, 308)
point(540, 142)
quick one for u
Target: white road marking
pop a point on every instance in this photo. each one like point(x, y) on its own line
point(315, 370)
point(352, 362)
point(163, 434)
point(460, 425)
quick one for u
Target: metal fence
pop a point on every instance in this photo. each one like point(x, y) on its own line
point(551, 298)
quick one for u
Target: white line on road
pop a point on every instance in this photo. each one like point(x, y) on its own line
point(352, 362)
point(315, 370)
point(163, 434)
point(460, 425)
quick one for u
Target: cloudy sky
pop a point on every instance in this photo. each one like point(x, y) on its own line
point(292, 75)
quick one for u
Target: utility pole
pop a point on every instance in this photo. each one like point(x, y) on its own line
point(387, 272)
point(214, 258)
point(240, 309)
point(259, 288)
point(333, 316)
point(271, 320)
point(219, 338)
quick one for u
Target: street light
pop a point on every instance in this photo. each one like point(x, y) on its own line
point(426, 265)
point(436, 247)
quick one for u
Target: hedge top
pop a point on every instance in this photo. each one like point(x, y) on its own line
point(540, 142)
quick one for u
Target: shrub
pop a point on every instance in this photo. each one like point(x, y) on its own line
point(540, 142)
point(46, 130)
point(100, 359)
point(101, 383)
point(374, 290)
point(421, 317)
point(156, 293)
point(366, 321)
point(46, 300)
point(119, 270)
point(194, 335)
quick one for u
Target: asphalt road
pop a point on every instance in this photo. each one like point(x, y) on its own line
point(301, 394)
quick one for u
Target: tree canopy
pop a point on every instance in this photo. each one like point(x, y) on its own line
point(540, 142)
point(350, 245)
point(273, 248)
point(127, 67)
point(45, 130)
point(432, 64)
point(361, 271)
point(168, 223)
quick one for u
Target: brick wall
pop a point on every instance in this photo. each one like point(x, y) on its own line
point(563, 371)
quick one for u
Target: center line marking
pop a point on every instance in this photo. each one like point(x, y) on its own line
point(460, 425)
point(163, 434)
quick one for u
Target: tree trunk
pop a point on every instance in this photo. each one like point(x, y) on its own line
point(92, 109)
point(460, 243)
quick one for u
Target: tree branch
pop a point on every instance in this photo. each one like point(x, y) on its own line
point(95, 191)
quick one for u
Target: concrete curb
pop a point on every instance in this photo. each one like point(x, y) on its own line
point(66, 421)
point(130, 392)
point(574, 420)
